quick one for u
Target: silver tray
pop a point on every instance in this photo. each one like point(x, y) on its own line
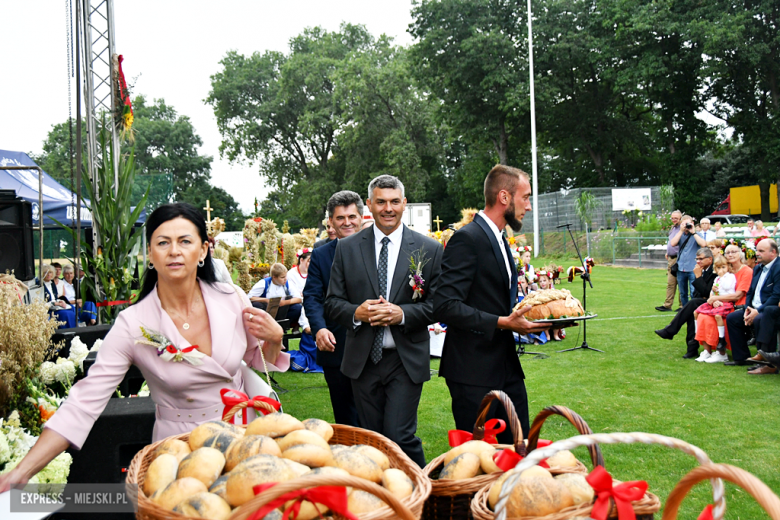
point(565, 320)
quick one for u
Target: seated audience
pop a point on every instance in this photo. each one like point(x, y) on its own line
point(707, 330)
point(761, 302)
point(59, 309)
point(72, 293)
point(748, 231)
point(725, 285)
point(719, 232)
point(716, 246)
point(702, 285)
point(760, 231)
point(705, 232)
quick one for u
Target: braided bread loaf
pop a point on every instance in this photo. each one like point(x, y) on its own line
point(551, 303)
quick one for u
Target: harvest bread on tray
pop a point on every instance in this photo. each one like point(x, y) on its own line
point(551, 304)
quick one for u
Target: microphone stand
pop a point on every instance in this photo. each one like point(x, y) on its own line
point(585, 281)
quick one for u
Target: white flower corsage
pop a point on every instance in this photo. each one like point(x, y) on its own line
point(168, 351)
point(416, 281)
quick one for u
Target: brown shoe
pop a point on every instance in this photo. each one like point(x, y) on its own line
point(757, 357)
point(763, 370)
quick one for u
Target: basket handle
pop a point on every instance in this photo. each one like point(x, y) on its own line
point(575, 419)
point(247, 509)
point(538, 454)
point(757, 489)
point(514, 421)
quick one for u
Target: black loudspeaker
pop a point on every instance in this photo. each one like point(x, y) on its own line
point(16, 238)
point(88, 335)
point(131, 383)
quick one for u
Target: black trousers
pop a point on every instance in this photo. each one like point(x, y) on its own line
point(467, 398)
point(685, 318)
point(387, 402)
point(765, 326)
point(341, 398)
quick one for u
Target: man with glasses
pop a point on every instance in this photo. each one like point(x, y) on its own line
point(671, 259)
point(702, 286)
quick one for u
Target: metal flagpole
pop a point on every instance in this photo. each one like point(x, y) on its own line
point(534, 183)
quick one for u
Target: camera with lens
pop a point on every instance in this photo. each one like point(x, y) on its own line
point(689, 226)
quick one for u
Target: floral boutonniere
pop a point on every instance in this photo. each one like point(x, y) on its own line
point(168, 351)
point(416, 281)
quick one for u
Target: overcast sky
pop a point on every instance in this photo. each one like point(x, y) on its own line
point(171, 48)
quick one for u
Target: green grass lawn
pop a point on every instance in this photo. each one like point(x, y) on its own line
point(641, 383)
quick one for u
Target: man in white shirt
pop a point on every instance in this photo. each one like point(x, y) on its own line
point(387, 351)
point(706, 233)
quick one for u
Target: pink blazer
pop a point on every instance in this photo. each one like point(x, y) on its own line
point(185, 395)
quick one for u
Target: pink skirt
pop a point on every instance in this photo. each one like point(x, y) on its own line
point(709, 310)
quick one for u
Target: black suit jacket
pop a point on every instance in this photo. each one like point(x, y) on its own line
point(314, 293)
point(770, 291)
point(353, 280)
point(474, 291)
point(702, 286)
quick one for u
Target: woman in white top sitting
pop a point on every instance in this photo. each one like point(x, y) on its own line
point(52, 293)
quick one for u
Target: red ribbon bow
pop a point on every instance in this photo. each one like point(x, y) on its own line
point(508, 459)
point(332, 497)
point(623, 494)
point(237, 397)
point(706, 513)
point(458, 437)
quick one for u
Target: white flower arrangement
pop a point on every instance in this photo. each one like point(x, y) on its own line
point(65, 372)
point(97, 345)
point(78, 352)
point(15, 442)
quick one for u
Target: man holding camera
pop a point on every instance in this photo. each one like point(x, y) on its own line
point(689, 242)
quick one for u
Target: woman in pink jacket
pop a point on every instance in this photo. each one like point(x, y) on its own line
point(204, 330)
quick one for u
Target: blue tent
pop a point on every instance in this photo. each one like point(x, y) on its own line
point(58, 201)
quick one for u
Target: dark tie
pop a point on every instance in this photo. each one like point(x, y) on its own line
point(379, 332)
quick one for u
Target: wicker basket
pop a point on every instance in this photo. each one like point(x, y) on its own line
point(644, 508)
point(451, 499)
point(757, 489)
point(346, 435)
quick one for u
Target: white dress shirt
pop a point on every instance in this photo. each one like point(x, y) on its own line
point(761, 279)
point(500, 240)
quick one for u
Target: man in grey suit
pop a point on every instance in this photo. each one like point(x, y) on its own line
point(387, 352)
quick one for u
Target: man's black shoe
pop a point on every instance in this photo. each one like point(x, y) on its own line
point(753, 367)
point(663, 334)
point(690, 355)
point(740, 363)
point(771, 357)
point(663, 309)
point(751, 342)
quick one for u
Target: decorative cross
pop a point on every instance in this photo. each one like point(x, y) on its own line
point(438, 221)
point(208, 209)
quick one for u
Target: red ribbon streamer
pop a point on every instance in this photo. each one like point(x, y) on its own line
point(332, 497)
point(623, 494)
point(239, 397)
point(508, 459)
point(458, 437)
point(706, 513)
point(106, 303)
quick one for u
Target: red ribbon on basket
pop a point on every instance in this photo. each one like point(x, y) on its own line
point(623, 494)
point(706, 513)
point(231, 398)
point(458, 437)
point(332, 497)
point(508, 459)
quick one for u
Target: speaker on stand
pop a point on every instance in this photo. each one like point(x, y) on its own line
point(16, 237)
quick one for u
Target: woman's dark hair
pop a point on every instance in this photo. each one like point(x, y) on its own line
point(163, 214)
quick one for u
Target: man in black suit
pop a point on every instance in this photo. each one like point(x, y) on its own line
point(344, 209)
point(477, 293)
point(702, 286)
point(764, 293)
point(387, 355)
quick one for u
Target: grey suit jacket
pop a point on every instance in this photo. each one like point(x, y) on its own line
point(353, 280)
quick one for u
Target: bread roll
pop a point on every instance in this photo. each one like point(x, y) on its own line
point(176, 447)
point(320, 427)
point(301, 437)
point(358, 465)
point(297, 468)
point(222, 440)
point(487, 463)
point(374, 454)
point(538, 497)
point(219, 487)
point(204, 505)
point(178, 491)
point(397, 482)
point(563, 459)
point(162, 471)
point(204, 464)
point(248, 446)
point(207, 429)
point(259, 469)
point(465, 465)
point(581, 491)
point(495, 489)
point(475, 447)
point(360, 501)
point(274, 425)
point(309, 455)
